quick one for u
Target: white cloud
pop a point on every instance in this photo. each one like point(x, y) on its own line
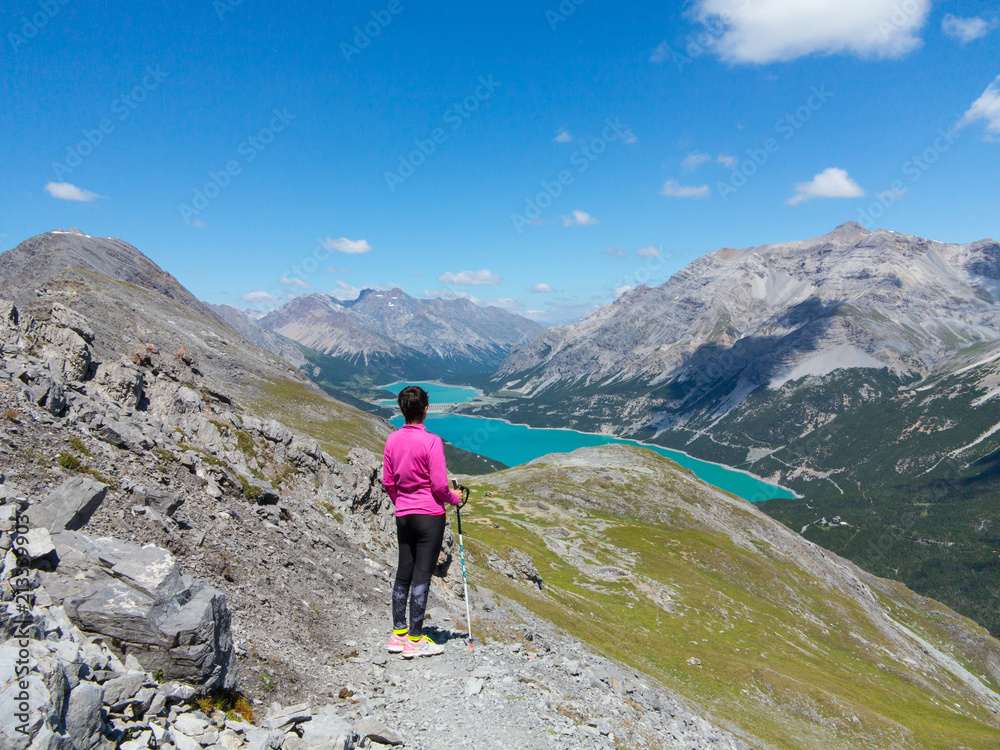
point(965, 30)
point(986, 107)
point(672, 189)
point(472, 278)
point(563, 136)
point(198, 224)
point(832, 182)
point(622, 289)
point(66, 192)
point(615, 252)
point(764, 31)
point(344, 245)
point(542, 288)
point(579, 219)
point(649, 252)
point(694, 160)
point(345, 291)
point(261, 298)
point(297, 283)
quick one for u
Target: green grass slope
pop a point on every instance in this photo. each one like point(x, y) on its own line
point(895, 457)
point(775, 637)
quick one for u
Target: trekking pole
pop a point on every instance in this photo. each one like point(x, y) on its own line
point(461, 550)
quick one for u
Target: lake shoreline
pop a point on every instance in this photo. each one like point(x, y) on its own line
point(638, 443)
point(448, 408)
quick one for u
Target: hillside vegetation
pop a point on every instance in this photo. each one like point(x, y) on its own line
point(771, 634)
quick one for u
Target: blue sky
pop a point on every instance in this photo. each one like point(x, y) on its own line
point(539, 155)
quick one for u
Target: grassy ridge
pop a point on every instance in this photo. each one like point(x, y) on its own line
point(656, 569)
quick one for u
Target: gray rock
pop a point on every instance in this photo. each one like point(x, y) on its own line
point(164, 501)
point(115, 609)
point(122, 382)
point(204, 653)
point(378, 732)
point(176, 692)
point(48, 394)
point(157, 705)
point(37, 544)
point(473, 687)
point(121, 690)
point(276, 432)
point(153, 571)
point(190, 725)
point(518, 566)
point(122, 435)
point(182, 741)
point(70, 505)
point(144, 699)
point(132, 664)
point(67, 352)
point(262, 739)
point(84, 722)
point(183, 401)
point(287, 717)
point(71, 319)
point(327, 731)
point(16, 727)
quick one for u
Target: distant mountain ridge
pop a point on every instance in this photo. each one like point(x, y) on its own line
point(850, 298)
point(402, 335)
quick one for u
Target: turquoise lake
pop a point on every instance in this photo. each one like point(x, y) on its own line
point(437, 393)
point(514, 444)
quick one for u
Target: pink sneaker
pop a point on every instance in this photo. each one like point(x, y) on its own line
point(424, 647)
point(396, 644)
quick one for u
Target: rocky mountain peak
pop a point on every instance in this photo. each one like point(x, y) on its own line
point(849, 230)
point(38, 260)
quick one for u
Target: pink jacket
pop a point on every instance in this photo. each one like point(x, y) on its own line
point(414, 472)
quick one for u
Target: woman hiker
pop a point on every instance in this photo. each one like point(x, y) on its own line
point(416, 478)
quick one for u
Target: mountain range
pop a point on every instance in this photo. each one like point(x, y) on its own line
point(388, 334)
point(858, 368)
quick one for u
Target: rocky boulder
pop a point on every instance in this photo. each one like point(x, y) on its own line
point(137, 596)
point(70, 505)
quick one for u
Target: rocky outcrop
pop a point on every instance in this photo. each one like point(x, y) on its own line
point(173, 625)
point(517, 566)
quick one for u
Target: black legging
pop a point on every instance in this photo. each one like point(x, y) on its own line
point(420, 538)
